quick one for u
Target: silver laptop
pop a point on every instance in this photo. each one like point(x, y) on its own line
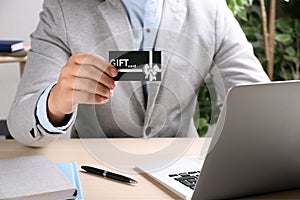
point(254, 150)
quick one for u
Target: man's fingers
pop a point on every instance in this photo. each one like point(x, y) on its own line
point(92, 72)
point(97, 61)
point(84, 79)
point(81, 97)
point(91, 86)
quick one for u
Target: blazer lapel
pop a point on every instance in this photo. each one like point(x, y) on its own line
point(117, 20)
point(173, 17)
point(121, 32)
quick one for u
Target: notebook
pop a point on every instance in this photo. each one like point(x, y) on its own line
point(34, 178)
point(254, 150)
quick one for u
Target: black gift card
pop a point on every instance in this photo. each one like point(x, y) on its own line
point(137, 65)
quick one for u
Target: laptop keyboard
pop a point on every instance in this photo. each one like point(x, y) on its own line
point(188, 179)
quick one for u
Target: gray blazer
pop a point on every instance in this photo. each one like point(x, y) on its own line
point(197, 37)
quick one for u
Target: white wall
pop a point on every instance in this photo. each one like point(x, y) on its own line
point(18, 19)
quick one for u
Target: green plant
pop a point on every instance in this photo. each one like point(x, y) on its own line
point(286, 47)
point(238, 7)
point(285, 64)
point(287, 51)
point(276, 45)
point(253, 30)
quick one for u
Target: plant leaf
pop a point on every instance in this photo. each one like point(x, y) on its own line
point(232, 7)
point(250, 2)
point(290, 58)
point(197, 123)
point(202, 122)
point(242, 14)
point(239, 3)
point(284, 25)
point(283, 38)
point(203, 131)
point(290, 51)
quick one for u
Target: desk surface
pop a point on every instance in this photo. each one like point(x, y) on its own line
point(8, 59)
point(125, 153)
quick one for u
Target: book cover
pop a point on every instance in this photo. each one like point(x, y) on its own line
point(34, 178)
point(11, 45)
point(70, 170)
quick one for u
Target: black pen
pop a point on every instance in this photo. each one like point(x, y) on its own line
point(108, 174)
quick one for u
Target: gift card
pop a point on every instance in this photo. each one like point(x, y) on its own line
point(137, 65)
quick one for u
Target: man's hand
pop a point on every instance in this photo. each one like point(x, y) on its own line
point(85, 79)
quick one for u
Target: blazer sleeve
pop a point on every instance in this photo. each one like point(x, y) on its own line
point(49, 52)
point(234, 59)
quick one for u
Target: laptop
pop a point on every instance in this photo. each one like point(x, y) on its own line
point(254, 149)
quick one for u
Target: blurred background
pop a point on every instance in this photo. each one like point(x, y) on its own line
point(18, 19)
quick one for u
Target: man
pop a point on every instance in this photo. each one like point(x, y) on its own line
point(68, 85)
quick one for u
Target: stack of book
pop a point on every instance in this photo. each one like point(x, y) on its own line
point(12, 48)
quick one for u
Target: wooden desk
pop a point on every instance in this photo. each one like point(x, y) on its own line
point(11, 59)
point(99, 188)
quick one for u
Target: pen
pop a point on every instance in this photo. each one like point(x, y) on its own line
point(108, 174)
